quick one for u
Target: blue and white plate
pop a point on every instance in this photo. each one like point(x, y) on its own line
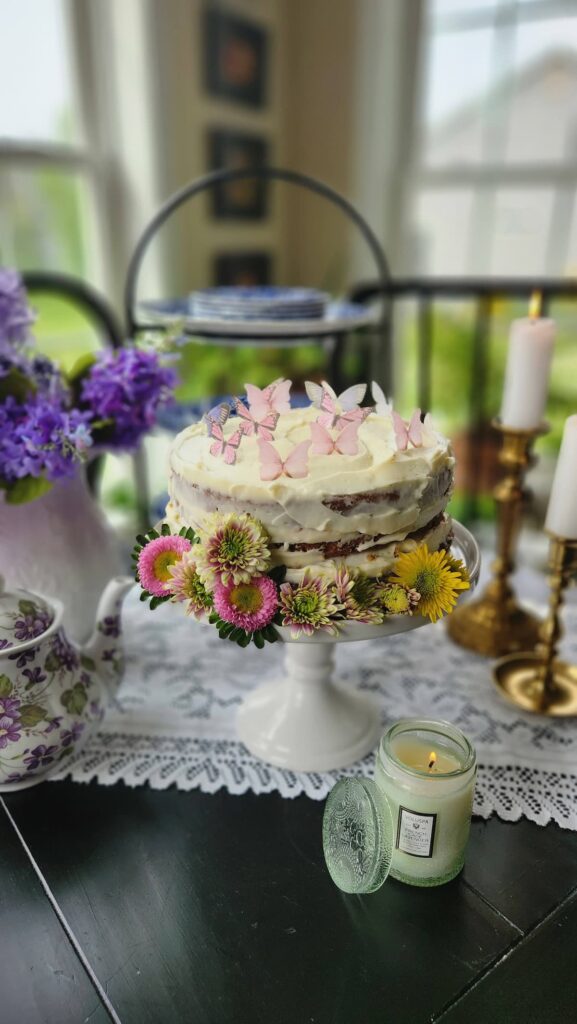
point(338, 317)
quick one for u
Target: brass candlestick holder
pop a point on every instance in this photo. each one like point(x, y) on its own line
point(537, 680)
point(495, 624)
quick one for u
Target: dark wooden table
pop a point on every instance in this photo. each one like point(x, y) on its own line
point(154, 907)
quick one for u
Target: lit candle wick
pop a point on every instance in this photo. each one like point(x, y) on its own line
point(535, 305)
point(432, 760)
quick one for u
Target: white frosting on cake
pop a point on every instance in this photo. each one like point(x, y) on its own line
point(371, 500)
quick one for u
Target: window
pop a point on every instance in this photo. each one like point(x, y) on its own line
point(495, 177)
point(47, 176)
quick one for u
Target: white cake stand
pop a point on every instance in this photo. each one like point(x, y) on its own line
point(307, 721)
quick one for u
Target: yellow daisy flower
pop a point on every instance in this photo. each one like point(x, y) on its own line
point(431, 574)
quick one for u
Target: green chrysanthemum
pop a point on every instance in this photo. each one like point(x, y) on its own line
point(186, 585)
point(397, 599)
point(233, 547)
point(309, 605)
point(359, 596)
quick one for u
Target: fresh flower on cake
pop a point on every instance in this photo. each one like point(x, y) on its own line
point(224, 573)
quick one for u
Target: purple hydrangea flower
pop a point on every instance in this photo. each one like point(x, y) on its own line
point(40, 756)
point(15, 313)
point(127, 387)
point(40, 438)
point(72, 735)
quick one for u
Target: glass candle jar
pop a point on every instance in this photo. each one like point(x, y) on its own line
point(426, 771)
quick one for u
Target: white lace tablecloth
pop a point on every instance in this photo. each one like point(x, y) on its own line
point(174, 719)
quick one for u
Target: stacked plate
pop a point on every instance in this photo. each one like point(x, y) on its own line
point(264, 303)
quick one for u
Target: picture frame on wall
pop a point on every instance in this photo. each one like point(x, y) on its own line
point(235, 58)
point(247, 198)
point(242, 269)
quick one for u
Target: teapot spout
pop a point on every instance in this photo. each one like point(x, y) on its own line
point(105, 645)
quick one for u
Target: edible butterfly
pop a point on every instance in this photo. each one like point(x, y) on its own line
point(272, 466)
point(252, 425)
point(335, 407)
point(347, 442)
point(383, 405)
point(219, 414)
point(408, 431)
point(274, 398)
point(225, 446)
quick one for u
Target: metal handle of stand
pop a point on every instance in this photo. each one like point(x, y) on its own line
point(208, 181)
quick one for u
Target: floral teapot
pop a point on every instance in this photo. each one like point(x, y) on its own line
point(53, 694)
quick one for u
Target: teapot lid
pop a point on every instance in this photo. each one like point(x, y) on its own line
point(23, 616)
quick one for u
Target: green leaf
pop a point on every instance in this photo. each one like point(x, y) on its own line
point(27, 607)
point(88, 663)
point(141, 540)
point(5, 686)
point(144, 596)
point(17, 384)
point(66, 752)
point(153, 535)
point(258, 640)
point(31, 714)
point(244, 640)
point(28, 488)
point(81, 367)
point(165, 530)
point(74, 700)
point(213, 618)
point(270, 634)
point(52, 663)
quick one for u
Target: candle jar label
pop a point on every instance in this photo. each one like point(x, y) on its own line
point(415, 832)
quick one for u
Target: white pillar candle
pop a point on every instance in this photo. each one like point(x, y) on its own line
point(562, 512)
point(531, 344)
point(426, 770)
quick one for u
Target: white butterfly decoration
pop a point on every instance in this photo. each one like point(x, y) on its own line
point(383, 405)
point(337, 408)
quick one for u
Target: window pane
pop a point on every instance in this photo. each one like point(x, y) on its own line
point(43, 214)
point(457, 79)
point(441, 229)
point(520, 233)
point(35, 72)
point(543, 111)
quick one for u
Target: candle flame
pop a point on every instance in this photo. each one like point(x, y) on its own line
point(535, 305)
point(432, 759)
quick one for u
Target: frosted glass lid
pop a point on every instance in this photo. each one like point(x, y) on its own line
point(23, 616)
point(357, 836)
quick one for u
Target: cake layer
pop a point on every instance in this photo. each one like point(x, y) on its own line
point(352, 507)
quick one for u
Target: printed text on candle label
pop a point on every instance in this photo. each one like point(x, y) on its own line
point(415, 832)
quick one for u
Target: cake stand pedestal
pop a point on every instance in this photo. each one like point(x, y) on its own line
point(307, 721)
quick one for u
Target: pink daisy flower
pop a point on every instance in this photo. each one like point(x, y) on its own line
point(251, 606)
point(155, 560)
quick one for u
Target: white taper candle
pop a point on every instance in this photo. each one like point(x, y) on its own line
point(531, 344)
point(562, 512)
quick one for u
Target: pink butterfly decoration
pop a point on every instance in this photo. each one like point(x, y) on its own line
point(335, 408)
point(251, 425)
point(347, 442)
point(272, 466)
point(274, 398)
point(227, 447)
point(405, 432)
